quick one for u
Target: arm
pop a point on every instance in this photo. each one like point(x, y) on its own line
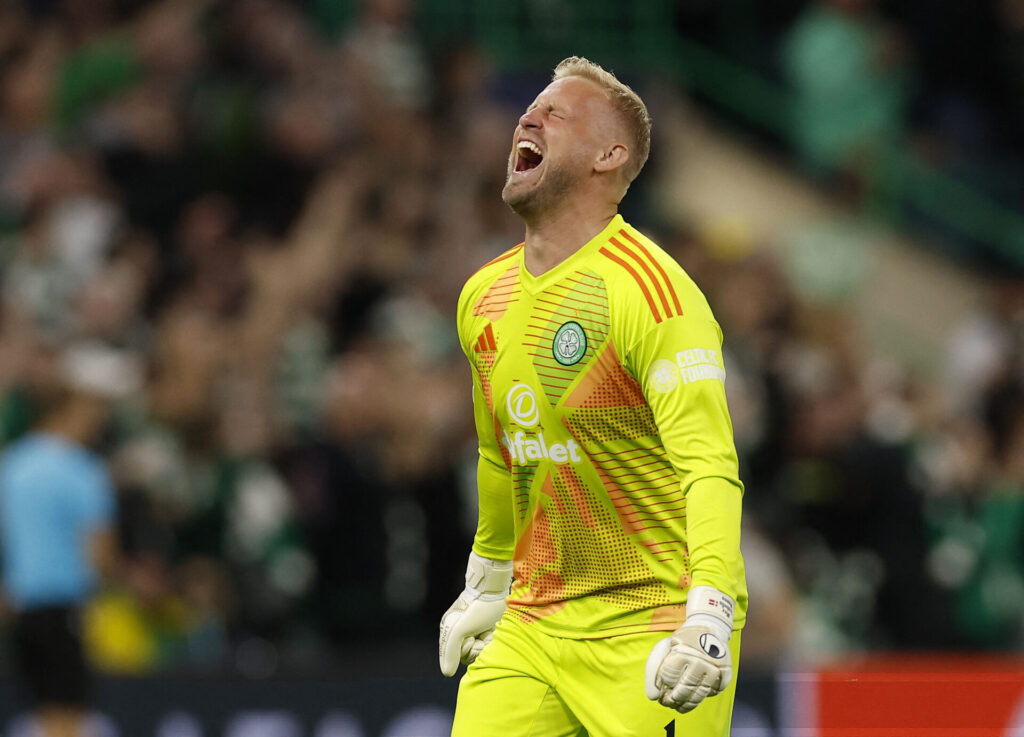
point(495, 535)
point(469, 623)
point(679, 366)
point(713, 515)
point(97, 507)
point(104, 553)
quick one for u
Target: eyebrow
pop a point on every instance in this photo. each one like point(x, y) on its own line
point(550, 106)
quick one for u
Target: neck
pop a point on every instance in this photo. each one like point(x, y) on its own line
point(77, 422)
point(70, 432)
point(554, 237)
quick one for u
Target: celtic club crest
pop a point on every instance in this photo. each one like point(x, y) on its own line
point(570, 343)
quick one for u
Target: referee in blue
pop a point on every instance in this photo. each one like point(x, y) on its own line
point(57, 522)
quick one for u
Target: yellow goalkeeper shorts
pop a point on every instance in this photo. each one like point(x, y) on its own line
point(529, 684)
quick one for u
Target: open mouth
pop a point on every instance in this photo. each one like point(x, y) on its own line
point(528, 156)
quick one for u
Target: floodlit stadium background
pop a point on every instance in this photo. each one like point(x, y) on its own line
point(273, 205)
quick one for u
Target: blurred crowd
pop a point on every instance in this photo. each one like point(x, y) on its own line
point(277, 226)
point(274, 218)
point(898, 98)
point(884, 509)
point(896, 500)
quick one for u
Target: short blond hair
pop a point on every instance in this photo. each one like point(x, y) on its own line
point(625, 101)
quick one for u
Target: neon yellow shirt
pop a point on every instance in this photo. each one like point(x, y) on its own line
point(607, 465)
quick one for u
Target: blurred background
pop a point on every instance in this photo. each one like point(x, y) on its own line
point(271, 205)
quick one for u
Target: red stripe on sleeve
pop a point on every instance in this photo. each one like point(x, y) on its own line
point(657, 265)
point(650, 274)
point(632, 272)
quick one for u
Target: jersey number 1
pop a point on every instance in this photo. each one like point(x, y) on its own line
point(670, 729)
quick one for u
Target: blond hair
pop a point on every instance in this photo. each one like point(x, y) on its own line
point(626, 102)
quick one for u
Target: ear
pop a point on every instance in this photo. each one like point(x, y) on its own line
point(612, 158)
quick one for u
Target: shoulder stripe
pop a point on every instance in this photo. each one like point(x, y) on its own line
point(658, 266)
point(639, 280)
point(647, 270)
point(508, 254)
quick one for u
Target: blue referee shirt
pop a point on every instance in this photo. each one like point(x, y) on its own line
point(53, 494)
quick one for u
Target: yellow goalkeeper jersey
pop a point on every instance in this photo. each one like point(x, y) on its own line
point(599, 402)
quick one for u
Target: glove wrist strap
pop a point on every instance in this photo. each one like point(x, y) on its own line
point(488, 579)
point(709, 607)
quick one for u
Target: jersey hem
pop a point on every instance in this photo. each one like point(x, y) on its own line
point(574, 633)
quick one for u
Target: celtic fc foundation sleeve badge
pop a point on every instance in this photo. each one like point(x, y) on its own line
point(570, 343)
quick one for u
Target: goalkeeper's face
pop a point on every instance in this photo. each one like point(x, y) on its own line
point(555, 145)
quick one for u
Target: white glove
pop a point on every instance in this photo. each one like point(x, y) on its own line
point(468, 625)
point(694, 663)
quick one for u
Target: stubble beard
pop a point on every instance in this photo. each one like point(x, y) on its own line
point(544, 197)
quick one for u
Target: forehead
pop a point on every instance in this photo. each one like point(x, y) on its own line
point(571, 92)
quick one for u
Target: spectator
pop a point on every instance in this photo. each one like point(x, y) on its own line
point(847, 72)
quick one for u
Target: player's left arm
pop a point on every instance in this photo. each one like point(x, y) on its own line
point(680, 369)
point(679, 366)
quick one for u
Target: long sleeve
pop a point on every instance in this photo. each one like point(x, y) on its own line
point(679, 366)
point(495, 533)
point(713, 507)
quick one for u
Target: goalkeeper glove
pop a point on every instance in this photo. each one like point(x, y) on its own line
point(469, 623)
point(695, 661)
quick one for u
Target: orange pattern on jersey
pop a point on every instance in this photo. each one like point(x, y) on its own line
point(607, 384)
point(499, 295)
point(484, 367)
point(667, 618)
point(641, 484)
point(508, 254)
point(484, 364)
point(578, 493)
point(600, 560)
point(638, 522)
point(628, 516)
point(538, 591)
point(604, 562)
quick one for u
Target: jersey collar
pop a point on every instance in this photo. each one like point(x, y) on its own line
point(536, 284)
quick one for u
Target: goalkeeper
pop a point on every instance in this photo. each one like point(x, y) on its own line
point(605, 590)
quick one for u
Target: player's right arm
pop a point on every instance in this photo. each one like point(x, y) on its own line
point(495, 534)
point(469, 623)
